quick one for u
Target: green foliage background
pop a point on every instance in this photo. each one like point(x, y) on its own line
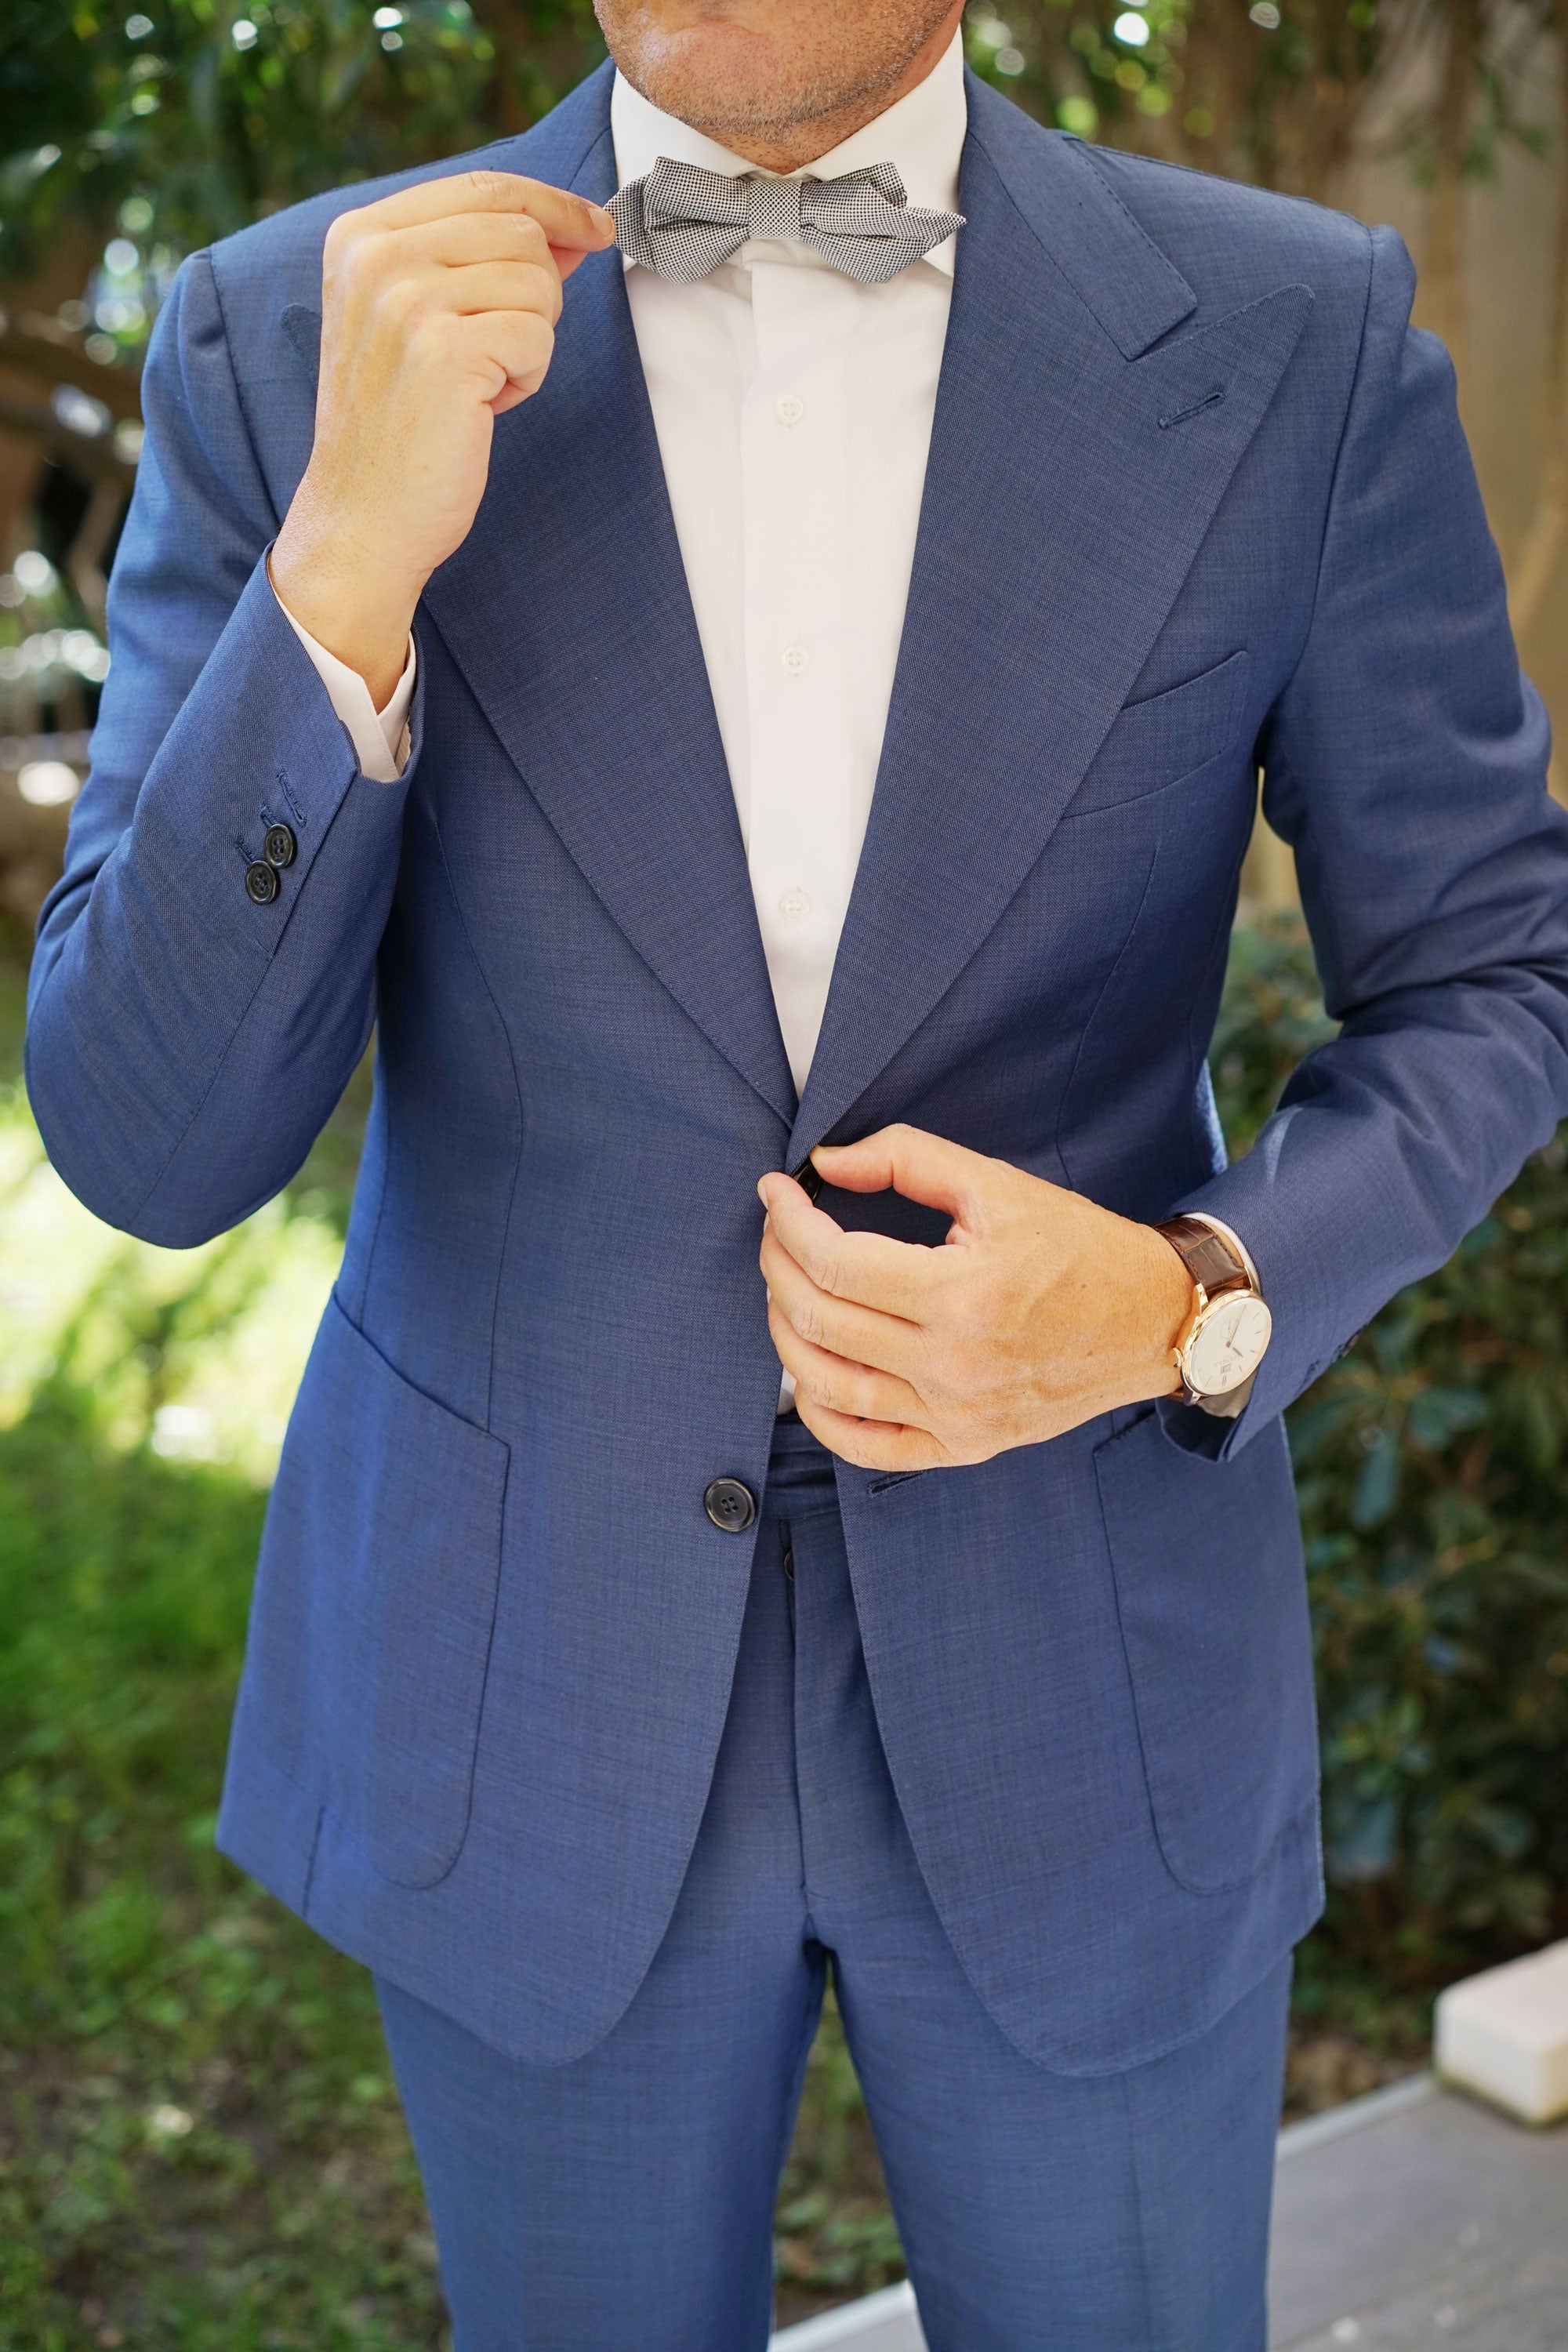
point(205, 114)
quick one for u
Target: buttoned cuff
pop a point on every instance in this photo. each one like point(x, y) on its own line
point(380, 738)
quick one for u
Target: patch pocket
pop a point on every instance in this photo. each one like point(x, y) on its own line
point(1212, 1595)
point(1157, 742)
point(375, 1603)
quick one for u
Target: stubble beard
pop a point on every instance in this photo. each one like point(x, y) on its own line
point(724, 108)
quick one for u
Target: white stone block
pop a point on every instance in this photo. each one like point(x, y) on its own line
point(878, 2323)
point(1505, 2034)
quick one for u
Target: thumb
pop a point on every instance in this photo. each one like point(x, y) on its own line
point(566, 258)
point(922, 1167)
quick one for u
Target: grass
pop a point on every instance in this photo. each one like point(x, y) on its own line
point(199, 2144)
point(198, 2141)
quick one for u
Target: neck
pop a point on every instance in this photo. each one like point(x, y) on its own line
point(787, 147)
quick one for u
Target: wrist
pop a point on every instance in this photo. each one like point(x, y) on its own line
point(1166, 1299)
point(352, 601)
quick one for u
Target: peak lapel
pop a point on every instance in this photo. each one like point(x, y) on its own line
point(566, 609)
point(1076, 461)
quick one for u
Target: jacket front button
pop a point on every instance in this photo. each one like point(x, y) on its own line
point(279, 845)
point(730, 1505)
point(261, 883)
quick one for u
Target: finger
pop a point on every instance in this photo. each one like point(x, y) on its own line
point(834, 1383)
point(872, 1445)
point(505, 350)
point(459, 238)
point(567, 220)
point(864, 1335)
point(897, 1276)
point(925, 1168)
point(482, 286)
point(394, 255)
point(566, 260)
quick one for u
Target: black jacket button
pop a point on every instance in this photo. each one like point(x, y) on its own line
point(261, 883)
point(730, 1505)
point(279, 845)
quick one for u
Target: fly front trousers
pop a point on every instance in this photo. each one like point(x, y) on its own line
point(624, 2202)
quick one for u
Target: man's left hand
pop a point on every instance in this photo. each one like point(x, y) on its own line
point(1041, 1310)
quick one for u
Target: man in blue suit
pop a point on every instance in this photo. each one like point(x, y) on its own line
point(792, 706)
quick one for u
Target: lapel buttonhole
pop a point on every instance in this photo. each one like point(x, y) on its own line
point(1194, 408)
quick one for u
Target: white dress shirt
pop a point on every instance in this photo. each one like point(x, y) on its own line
point(793, 409)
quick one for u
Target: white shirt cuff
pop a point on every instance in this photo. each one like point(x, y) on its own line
point(380, 738)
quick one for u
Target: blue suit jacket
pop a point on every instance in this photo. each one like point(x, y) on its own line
point(1198, 499)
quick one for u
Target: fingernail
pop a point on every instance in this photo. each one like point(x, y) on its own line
point(604, 219)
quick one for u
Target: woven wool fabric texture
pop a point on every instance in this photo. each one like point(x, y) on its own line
point(683, 221)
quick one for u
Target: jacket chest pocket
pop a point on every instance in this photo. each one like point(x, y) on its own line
point(1157, 742)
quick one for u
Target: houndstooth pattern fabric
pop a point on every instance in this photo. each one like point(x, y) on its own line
point(683, 221)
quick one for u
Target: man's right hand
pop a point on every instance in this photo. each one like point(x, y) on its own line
point(439, 310)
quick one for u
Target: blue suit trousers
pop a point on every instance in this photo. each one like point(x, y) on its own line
point(625, 2200)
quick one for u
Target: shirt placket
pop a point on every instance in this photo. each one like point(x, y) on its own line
point(795, 441)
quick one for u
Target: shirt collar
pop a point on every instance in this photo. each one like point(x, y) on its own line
point(922, 135)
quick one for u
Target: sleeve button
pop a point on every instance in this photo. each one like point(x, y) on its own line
point(279, 847)
point(261, 884)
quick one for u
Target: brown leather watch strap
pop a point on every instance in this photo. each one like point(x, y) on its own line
point(1207, 1254)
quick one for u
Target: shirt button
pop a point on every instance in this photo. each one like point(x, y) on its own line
point(789, 408)
point(796, 905)
point(795, 660)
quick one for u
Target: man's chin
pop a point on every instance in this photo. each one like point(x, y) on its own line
point(725, 81)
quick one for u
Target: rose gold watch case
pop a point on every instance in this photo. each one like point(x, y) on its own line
point(1225, 1344)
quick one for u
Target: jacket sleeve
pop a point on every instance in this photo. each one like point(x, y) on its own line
point(1406, 763)
point(185, 1046)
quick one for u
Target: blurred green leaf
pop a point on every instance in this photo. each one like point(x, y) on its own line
point(174, 122)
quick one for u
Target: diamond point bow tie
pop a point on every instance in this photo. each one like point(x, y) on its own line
point(683, 221)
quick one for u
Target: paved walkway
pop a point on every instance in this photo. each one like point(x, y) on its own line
point(1409, 2221)
point(1416, 2220)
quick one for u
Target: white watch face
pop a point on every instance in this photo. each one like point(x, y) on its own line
point(1227, 1346)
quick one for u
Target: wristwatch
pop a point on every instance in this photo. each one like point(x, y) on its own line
point(1220, 1351)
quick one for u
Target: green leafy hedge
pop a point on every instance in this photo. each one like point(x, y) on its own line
point(1433, 1469)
